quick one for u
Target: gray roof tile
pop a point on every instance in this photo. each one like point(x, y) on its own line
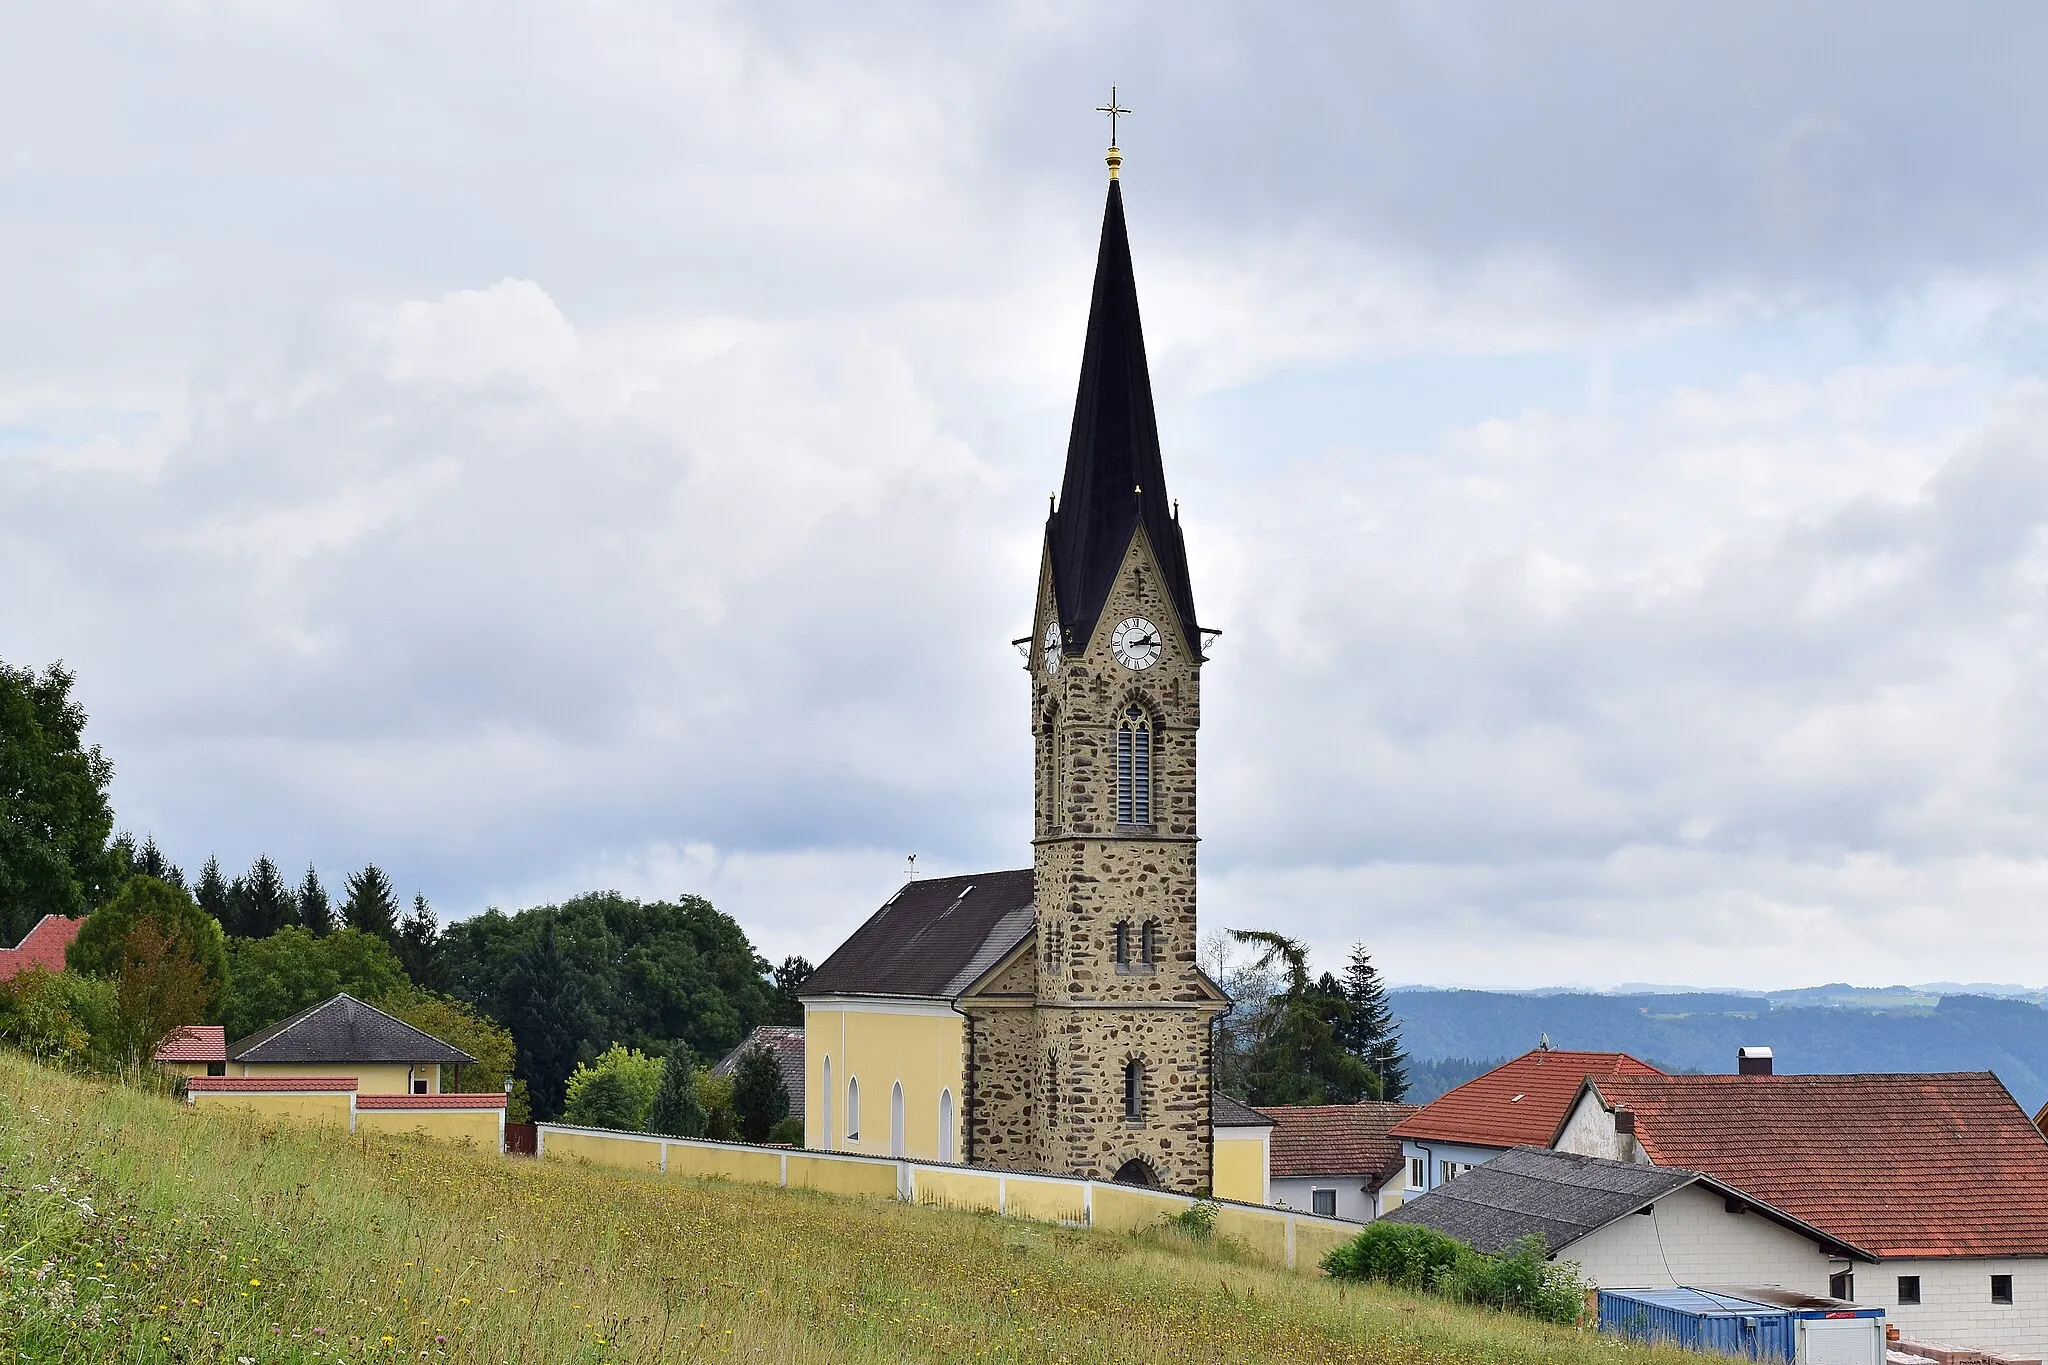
point(344, 1029)
point(932, 939)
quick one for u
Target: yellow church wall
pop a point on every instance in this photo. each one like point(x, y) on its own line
point(1119, 1208)
point(726, 1163)
point(1241, 1158)
point(1047, 1201)
point(372, 1078)
point(602, 1150)
point(840, 1175)
point(1259, 1232)
point(973, 1191)
point(477, 1126)
point(320, 1107)
point(915, 1044)
point(1315, 1240)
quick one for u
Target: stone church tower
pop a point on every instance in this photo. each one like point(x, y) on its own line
point(1122, 1011)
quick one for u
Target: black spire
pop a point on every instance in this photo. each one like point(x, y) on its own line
point(1115, 481)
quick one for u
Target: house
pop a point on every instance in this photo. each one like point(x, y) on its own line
point(335, 1038)
point(785, 1042)
point(1630, 1226)
point(1338, 1160)
point(1517, 1104)
point(1244, 1156)
point(1941, 1176)
point(194, 1050)
point(1054, 1019)
point(42, 946)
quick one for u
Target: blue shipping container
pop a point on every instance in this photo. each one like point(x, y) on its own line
point(1701, 1321)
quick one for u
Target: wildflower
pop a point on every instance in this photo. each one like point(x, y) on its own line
point(254, 1284)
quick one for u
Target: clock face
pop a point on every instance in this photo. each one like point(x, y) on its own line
point(1052, 647)
point(1136, 643)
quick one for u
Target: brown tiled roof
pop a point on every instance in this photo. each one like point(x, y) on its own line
point(1518, 1103)
point(1930, 1164)
point(42, 946)
point(932, 939)
point(287, 1085)
point(1225, 1112)
point(344, 1029)
point(786, 1042)
point(485, 1100)
point(194, 1043)
point(1336, 1139)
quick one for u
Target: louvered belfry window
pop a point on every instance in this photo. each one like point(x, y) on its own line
point(1134, 768)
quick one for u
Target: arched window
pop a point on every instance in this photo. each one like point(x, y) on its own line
point(946, 1152)
point(1134, 767)
point(830, 1139)
point(1052, 1089)
point(853, 1109)
point(1134, 1089)
point(896, 1120)
point(1123, 943)
point(1148, 942)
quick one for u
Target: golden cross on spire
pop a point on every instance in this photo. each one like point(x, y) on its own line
point(1112, 109)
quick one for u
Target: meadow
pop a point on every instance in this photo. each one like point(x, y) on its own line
point(135, 1229)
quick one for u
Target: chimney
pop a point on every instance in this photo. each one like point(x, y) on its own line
point(1752, 1061)
point(1625, 1122)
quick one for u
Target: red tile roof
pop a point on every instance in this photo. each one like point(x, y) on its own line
point(1517, 1103)
point(486, 1100)
point(42, 946)
point(279, 1085)
point(1913, 1165)
point(1335, 1139)
point(194, 1043)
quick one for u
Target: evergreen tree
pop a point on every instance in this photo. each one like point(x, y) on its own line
point(678, 1112)
point(371, 906)
point(789, 979)
point(1296, 1058)
point(419, 947)
point(316, 912)
point(212, 892)
point(235, 919)
point(550, 1015)
point(760, 1097)
point(151, 862)
point(1372, 1033)
point(267, 902)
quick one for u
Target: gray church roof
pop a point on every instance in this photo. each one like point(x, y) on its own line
point(1115, 480)
point(341, 1030)
point(932, 939)
point(1562, 1198)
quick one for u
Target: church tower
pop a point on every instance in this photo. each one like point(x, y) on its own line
point(1122, 1012)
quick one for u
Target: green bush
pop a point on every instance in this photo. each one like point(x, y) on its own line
point(61, 1018)
point(1197, 1220)
point(622, 1106)
point(789, 1131)
point(1521, 1280)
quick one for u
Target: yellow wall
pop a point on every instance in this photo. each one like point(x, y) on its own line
point(836, 1175)
point(600, 1150)
point(187, 1069)
point(977, 1191)
point(476, 1126)
point(763, 1167)
point(1313, 1241)
point(371, 1078)
point(324, 1107)
point(1241, 1165)
point(918, 1047)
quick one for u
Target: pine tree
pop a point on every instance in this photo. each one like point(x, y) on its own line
point(212, 892)
point(316, 912)
point(236, 917)
point(760, 1097)
point(150, 862)
point(1372, 1033)
point(549, 1014)
point(371, 907)
point(1297, 1057)
point(678, 1112)
point(267, 905)
point(789, 979)
point(419, 947)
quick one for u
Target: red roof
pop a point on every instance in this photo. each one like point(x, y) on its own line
point(1334, 1139)
point(194, 1043)
point(1913, 1165)
point(42, 946)
point(486, 1100)
point(1518, 1103)
point(277, 1085)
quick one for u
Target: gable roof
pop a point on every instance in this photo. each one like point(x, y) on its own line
point(1336, 1139)
point(932, 939)
point(1225, 1112)
point(344, 1029)
point(1935, 1164)
point(1563, 1198)
point(194, 1043)
point(42, 946)
point(786, 1043)
point(1518, 1103)
point(1115, 480)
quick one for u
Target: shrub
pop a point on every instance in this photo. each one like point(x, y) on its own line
point(103, 946)
point(638, 1074)
point(1521, 1280)
point(677, 1111)
point(1197, 1220)
point(1396, 1253)
point(60, 1017)
point(789, 1132)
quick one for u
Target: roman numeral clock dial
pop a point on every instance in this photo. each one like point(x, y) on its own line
point(1052, 647)
point(1136, 644)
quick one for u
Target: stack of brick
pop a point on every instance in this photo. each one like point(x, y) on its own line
point(1919, 1353)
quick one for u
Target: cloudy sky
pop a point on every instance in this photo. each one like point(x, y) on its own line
point(546, 448)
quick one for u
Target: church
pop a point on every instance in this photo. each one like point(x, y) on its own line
point(1053, 1018)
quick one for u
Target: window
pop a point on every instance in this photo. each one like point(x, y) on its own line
point(1842, 1285)
point(419, 1080)
point(1418, 1173)
point(1909, 1289)
point(946, 1126)
point(2001, 1289)
point(1322, 1203)
point(216, 1068)
point(831, 1137)
point(1450, 1170)
point(1148, 942)
point(853, 1109)
point(1134, 1091)
point(1134, 768)
point(1123, 943)
point(896, 1120)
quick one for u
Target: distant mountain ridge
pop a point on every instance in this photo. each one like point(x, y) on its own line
point(1834, 1028)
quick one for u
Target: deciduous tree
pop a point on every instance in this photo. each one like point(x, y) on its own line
point(103, 946)
point(273, 978)
point(1297, 1057)
point(55, 856)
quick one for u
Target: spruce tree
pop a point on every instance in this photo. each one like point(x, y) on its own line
point(371, 907)
point(316, 912)
point(236, 917)
point(151, 862)
point(678, 1112)
point(760, 1097)
point(419, 947)
point(212, 891)
point(267, 904)
point(1372, 1033)
point(789, 979)
point(550, 1015)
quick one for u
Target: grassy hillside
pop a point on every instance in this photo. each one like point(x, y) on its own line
point(134, 1229)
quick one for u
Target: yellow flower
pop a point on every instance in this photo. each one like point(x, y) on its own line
point(255, 1284)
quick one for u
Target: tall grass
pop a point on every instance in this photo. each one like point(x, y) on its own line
point(137, 1229)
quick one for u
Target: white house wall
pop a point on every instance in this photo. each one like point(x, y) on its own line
point(1354, 1199)
point(1589, 1131)
point(1955, 1307)
point(1690, 1238)
point(1436, 1154)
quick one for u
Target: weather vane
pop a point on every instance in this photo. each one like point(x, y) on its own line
point(1112, 109)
